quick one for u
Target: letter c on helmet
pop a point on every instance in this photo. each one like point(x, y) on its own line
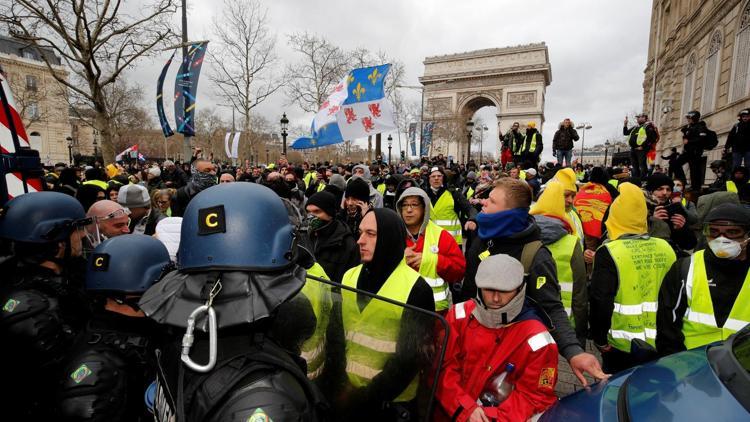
point(99, 261)
point(211, 220)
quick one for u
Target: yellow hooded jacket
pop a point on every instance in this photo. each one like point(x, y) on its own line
point(628, 213)
point(551, 203)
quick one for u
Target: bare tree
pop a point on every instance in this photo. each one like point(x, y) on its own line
point(312, 79)
point(96, 39)
point(244, 62)
point(125, 109)
point(210, 130)
point(31, 97)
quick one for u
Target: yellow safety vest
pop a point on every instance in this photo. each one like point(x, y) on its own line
point(309, 177)
point(641, 137)
point(469, 193)
point(321, 186)
point(732, 187)
point(381, 188)
point(98, 183)
point(428, 267)
point(614, 182)
point(532, 145)
point(445, 216)
point(372, 334)
point(580, 176)
point(578, 226)
point(562, 252)
point(699, 324)
point(641, 266)
point(319, 295)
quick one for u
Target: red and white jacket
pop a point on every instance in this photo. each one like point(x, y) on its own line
point(451, 264)
point(476, 353)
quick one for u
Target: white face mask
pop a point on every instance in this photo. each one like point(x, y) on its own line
point(725, 248)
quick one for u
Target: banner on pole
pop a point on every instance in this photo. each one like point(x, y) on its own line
point(413, 138)
point(424, 148)
point(165, 128)
point(186, 88)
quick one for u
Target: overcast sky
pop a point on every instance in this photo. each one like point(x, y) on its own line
point(597, 49)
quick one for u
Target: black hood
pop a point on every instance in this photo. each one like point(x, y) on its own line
point(389, 250)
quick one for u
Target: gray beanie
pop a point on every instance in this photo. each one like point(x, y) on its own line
point(338, 181)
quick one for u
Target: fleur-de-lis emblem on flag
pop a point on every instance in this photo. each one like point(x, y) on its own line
point(359, 91)
point(374, 76)
point(350, 79)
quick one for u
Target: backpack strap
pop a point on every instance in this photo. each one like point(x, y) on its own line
point(528, 253)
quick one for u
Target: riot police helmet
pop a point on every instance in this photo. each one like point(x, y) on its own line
point(236, 227)
point(129, 264)
point(41, 217)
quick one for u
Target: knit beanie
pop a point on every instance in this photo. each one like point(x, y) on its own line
point(325, 201)
point(358, 189)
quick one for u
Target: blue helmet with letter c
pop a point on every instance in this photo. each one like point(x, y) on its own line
point(236, 227)
point(130, 263)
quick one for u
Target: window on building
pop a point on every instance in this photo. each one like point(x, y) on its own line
point(33, 111)
point(31, 82)
point(28, 54)
point(741, 66)
point(711, 73)
point(689, 85)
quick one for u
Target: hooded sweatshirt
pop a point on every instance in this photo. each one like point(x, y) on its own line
point(552, 220)
point(403, 366)
point(376, 198)
point(451, 263)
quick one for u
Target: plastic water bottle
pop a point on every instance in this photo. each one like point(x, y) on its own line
point(497, 388)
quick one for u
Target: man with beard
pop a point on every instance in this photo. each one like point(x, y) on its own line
point(204, 176)
point(333, 245)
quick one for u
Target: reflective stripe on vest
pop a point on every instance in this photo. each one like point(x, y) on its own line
point(562, 253)
point(699, 324)
point(98, 183)
point(319, 295)
point(445, 216)
point(641, 137)
point(428, 267)
point(372, 334)
point(641, 266)
point(531, 147)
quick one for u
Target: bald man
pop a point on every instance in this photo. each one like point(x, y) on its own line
point(110, 218)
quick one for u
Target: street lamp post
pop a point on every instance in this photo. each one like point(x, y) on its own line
point(583, 126)
point(70, 149)
point(469, 133)
point(481, 130)
point(284, 125)
point(267, 159)
point(606, 150)
point(390, 144)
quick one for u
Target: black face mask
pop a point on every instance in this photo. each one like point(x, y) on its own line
point(314, 223)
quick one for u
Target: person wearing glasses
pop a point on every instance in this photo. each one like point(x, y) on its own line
point(109, 219)
point(430, 249)
point(704, 297)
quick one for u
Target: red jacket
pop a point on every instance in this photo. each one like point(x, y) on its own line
point(475, 353)
point(451, 263)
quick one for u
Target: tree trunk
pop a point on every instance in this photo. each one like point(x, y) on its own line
point(378, 151)
point(106, 137)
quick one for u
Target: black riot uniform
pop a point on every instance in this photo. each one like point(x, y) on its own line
point(111, 364)
point(43, 306)
point(237, 267)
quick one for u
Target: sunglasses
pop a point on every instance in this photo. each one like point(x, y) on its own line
point(122, 212)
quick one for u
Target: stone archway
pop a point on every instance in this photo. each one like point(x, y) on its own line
point(512, 79)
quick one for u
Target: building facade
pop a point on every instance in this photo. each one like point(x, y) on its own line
point(698, 59)
point(512, 79)
point(40, 99)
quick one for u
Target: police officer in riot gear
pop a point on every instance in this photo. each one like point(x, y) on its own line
point(237, 265)
point(43, 306)
point(110, 366)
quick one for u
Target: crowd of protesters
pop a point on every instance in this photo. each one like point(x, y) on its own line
point(526, 260)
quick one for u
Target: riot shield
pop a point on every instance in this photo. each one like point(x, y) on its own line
point(372, 358)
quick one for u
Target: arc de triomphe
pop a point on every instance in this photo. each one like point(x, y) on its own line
point(513, 79)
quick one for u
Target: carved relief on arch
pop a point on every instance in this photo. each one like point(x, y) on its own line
point(522, 99)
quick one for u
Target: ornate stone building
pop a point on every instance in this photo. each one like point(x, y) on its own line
point(513, 79)
point(698, 59)
point(40, 99)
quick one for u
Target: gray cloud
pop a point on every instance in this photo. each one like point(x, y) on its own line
point(597, 48)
